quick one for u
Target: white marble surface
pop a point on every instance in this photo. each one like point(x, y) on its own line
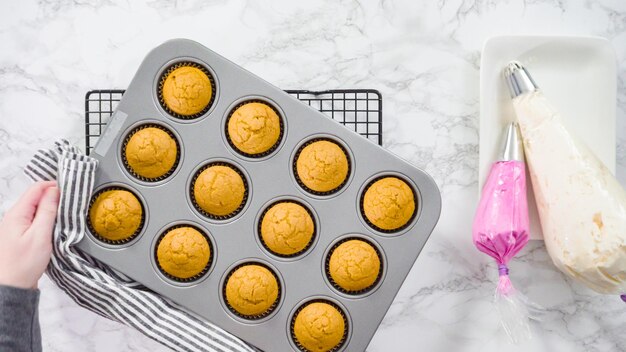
point(422, 55)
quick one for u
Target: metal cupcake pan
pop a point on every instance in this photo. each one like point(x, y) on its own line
point(270, 178)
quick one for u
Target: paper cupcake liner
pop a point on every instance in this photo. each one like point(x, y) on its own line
point(106, 240)
point(370, 224)
point(130, 169)
point(353, 292)
point(295, 168)
point(306, 248)
point(164, 76)
point(201, 273)
point(319, 300)
point(269, 311)
point(204, 212)
point(267, 152)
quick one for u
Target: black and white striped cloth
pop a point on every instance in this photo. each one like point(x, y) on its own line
point(95, 286)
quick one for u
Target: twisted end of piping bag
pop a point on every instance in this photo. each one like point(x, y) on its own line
point(505, 287)
point(513, 308)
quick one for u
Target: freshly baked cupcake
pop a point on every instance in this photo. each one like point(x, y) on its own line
point(219, 191)
point(183, 253)
point(287, 228)
point(254, 128)
point(252, 291)
point(115, 215)
point(389, 203)
point(322, 166)
point(186, 90)
point(354, 266)
point(319, 327)
point(151, 153)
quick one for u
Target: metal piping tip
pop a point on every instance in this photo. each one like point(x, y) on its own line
point(512, 148)
point(518, 79)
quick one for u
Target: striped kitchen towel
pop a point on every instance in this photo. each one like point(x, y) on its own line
point(94, 285)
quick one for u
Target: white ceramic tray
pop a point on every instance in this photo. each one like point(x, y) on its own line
point(578, 74)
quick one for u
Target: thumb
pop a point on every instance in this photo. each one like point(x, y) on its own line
point(45, 216)
point(19, 218)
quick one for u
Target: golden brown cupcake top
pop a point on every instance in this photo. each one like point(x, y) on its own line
point(219, 190)
point(287, 228)
point(183, 252)
point(115, 215)
point(322, 166)
point(354, 265)
point(252, 290)
point(187, 90)
point(151, 152)
point(389, 203)
point(254, 128)
point(319, 327)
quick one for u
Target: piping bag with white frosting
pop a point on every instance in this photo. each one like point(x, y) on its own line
point(582, 207)
point(501, 229)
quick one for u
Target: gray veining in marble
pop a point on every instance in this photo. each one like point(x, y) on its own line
point(422, 55)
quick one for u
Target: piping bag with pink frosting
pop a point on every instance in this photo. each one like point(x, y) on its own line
point(501, 229)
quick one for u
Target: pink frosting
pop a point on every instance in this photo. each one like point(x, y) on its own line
point(501, 222)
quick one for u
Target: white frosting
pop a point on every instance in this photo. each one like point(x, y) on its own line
point(581, 205)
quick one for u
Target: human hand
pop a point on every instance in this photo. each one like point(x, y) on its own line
point(26, 236)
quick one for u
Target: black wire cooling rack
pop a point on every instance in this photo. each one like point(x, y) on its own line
point(358, 109)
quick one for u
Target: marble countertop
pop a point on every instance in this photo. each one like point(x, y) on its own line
point(423, 56)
